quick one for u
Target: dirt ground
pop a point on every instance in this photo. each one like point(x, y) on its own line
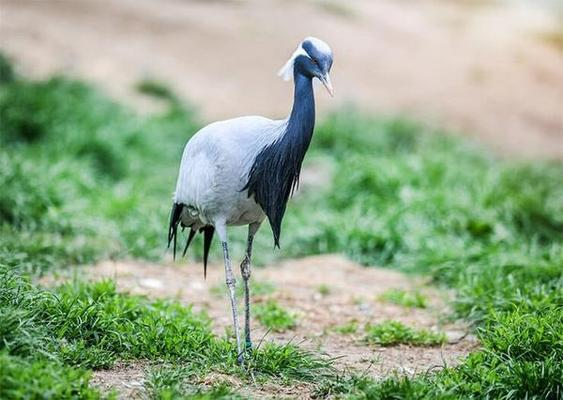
point(487, 68)
point(352, 296)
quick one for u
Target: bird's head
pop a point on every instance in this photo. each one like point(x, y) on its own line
point(313, 59)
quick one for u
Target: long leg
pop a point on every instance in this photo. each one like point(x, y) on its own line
point(245, 272)
point(231, 282)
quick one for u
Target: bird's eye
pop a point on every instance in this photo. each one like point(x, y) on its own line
point(315, 62)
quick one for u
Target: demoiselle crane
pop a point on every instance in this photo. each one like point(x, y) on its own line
point(242, 170)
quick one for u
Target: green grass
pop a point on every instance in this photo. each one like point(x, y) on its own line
point(390, 333)
point(521, 358)
point(422, 201)
point(91, 325)
point(404, 298)
point(7, 73)
point(324, 290)
point(348, 328)
point(23, 378)
point(290, 363)
point(83, 178)
point(155, 88)
point(287, 362)
point(273, 316)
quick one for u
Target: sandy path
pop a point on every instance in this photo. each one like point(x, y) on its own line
point(484, 69)
point(352, 296)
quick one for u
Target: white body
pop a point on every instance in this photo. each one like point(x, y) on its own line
point(223, 158)
point(215, 167)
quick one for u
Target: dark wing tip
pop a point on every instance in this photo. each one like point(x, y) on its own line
point(190, 238)
point(208, 232)
point(173, 226)
point(275, 224)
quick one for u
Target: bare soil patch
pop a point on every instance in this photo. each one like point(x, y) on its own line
point(127, 379)
point(352, 296)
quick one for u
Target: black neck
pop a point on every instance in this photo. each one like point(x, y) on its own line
point(275, 172)
point(302, 116)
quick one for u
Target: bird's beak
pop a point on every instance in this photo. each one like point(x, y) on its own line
point(325, 79)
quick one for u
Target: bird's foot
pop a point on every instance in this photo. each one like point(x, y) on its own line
point(247, 350)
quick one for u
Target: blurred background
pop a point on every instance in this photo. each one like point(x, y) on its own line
point(490, 69)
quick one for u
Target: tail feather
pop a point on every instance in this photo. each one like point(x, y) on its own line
point(190, 238)
point(208, 232)
point(173, 226)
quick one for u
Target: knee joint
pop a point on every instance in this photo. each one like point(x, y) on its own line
point(245, 268)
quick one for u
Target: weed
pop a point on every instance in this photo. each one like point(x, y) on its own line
point(391, 333)
point(348, 328)
point(324, 290)
point(37, 379)
point(403, 298)
point(151, 87)
point(7, 73)
point(290, 362)
point(274, 317)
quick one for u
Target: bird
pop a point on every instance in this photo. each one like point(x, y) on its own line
point(241, 171)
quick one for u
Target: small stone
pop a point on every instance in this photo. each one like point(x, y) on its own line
point(151, 283)
point(197, 285)
point(363, 307)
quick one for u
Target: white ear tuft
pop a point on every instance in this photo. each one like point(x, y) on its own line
point(286, 72)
